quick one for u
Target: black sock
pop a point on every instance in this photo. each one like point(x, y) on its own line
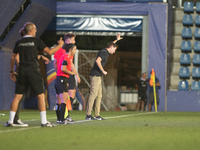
point(68, 112)
point(62, 111)
point(58, 111)
point(71, 100)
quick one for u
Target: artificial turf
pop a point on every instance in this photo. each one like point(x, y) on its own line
point(121, 130)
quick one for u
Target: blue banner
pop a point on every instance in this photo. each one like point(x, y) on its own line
point(99, 24)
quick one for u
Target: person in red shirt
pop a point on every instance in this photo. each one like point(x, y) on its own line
point(64, 70)
point(69, 38)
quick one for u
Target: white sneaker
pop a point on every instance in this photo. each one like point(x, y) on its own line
point(48, 124)
point(69, 119)
point(20, 124)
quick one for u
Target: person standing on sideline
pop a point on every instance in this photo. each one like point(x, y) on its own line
point(95, 81)
point(63, 71)
point(17, 121)
point(29, 72)
point(142, 91)
point(69, 39)
point(151, 93)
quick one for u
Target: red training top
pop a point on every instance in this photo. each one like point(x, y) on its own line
point(59, 54)
point(64, 60)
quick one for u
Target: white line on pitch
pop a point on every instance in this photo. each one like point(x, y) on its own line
point(27, 128)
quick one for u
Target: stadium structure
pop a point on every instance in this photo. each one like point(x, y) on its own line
point(161, 26)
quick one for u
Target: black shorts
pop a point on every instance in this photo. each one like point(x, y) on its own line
point(71, 82)
point(142, 97)
point(61, 84)
point(29, 78)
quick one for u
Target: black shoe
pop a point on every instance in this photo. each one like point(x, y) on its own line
point(99, 118)
point(89, 117)
point(48, 124)
point(69, 119)
point(8, 124)
point(64, 122)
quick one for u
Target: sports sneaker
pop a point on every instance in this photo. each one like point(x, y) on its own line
point(89, 117)
point(64, 122)
point(99, 118)
point(19, 123)
point(69, 119)
point(48, 124)
point(8, 124)
point(57, 121)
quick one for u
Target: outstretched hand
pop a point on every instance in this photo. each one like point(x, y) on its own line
point(47, 61)
point(118, 37)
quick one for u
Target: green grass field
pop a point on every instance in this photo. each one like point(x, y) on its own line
point(121, 130)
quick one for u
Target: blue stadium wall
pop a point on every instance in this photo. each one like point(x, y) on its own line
point(157, 46)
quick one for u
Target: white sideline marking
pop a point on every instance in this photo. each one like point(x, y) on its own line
point(27, 128)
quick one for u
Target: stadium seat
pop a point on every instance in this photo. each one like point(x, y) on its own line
point(198, 7)
point(188, 7)
point(186, 46)
point(187, 20)
point(196, 47)
point(185, 59)
point(195, 86)
point(183, 86)
point(197, 20)
point(196, 73)
point(184, 73)
point(197, 33)
point(196, 60)
point(187, 33)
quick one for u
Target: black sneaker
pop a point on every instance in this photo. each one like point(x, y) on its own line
point(69, 119)
point(8, 124)
point(89, 117)
point(19, 123)
point(99, 118)
point(48, 124)
point(64, 122)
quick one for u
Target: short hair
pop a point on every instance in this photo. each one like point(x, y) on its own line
point(22, 32)
point(69, 36)
point(28, 26)
point(67, 47)
point(144, 73)
point(111, 44)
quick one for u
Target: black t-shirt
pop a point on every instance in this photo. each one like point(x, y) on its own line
point(142, 87)
point(104, 56)
point(28, 48)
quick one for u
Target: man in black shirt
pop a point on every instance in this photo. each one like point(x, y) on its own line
point(142, 91)
point(29, 72)
point(95, 81)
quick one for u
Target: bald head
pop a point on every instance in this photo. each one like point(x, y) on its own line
point(30, 28)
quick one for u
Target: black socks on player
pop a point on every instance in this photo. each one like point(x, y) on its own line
point(58, 112)
point(62, 111)
point(71, 100)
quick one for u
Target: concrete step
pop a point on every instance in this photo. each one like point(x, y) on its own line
point(178, 14)
point(174, 80)
point(177, 40)
point(176, 54)
point(178, 27)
